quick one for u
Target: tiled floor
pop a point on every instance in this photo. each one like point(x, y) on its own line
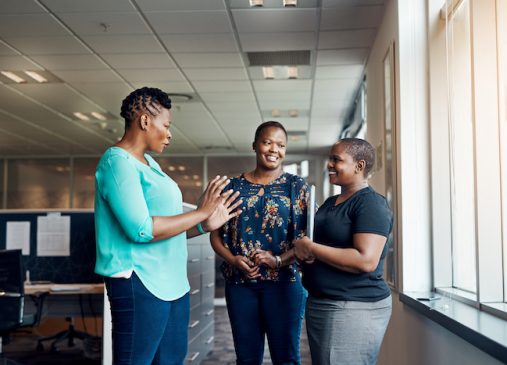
point(22, 348)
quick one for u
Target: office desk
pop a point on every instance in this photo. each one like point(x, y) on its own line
point(58, 300)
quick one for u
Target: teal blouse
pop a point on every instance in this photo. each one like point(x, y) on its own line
point(128, 194)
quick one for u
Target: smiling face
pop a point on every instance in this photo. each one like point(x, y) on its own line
point(270, 148)
point(157, 127)
point(342, 168)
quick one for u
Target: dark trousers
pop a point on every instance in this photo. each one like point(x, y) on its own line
point(266, 308)
point(146, 329)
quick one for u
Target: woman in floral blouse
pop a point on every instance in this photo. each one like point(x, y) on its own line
point(263, 284)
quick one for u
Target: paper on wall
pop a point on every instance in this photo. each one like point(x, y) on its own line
point(53, 235)
point(18, 236)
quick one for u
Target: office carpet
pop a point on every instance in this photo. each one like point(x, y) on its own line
point(22, 348)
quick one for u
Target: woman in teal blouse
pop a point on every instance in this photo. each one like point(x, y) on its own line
point(141, 233)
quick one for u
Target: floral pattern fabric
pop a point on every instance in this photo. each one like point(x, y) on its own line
point(273, 216)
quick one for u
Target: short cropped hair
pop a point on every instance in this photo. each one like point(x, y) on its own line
point(360, 149)
point(268, 124)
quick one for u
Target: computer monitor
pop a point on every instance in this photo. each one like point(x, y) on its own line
point(11, 271)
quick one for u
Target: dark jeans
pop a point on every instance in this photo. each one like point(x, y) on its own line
point(146, 329)
point(273, 309)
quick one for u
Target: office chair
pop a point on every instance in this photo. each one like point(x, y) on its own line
point(12, 295)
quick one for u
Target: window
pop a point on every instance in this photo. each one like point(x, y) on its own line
point(469, 166)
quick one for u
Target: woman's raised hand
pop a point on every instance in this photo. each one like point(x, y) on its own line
point(212, 196)
point(224, 211)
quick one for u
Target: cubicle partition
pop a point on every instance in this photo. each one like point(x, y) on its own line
point(31, 230)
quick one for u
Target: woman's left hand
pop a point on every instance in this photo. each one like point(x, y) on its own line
point(223, 212)
point(266, 258)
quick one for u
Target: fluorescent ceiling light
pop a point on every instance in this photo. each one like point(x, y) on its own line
point(34, 75)
point(181, 168)
point(290, 3)
point(98, 116)
point(292, 71)
point(13, 76)
point(293, 113)
point(81, 116)
point(268, 72)
point(256, 3)
point(171, 168)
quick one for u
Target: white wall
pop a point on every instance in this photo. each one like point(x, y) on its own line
point(411, 338)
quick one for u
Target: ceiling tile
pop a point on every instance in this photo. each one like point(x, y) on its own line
point(168, 86)
point(15, 63)
point(85, 6)
point(227, 97)
point(139, 60)
point(275, 20)
point(354, 17)
point(271, 42)
point(222, 86)
point(212, 74)
point(29, 24)
point(70, 62)
point(347, 39)
point(203, 60)
point(287, 86)
point(341, 3)
point(123, 43)
point(44, 45)
point(89, 76)
point(216, 42)
point(107, 95)
point(342, 56)
point(19, 7)
point(339, 72)
point(105, 23)
point(189, 22)
point(164, 5)
point(144, 75)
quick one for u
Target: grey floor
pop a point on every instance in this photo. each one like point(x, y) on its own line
point(22, 348)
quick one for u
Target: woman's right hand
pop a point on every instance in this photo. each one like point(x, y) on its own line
point(243, 263)
point(212, 196)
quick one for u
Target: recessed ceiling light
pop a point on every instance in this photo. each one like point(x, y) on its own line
point(293, 113)
point(195, 177)
point(171, 168)
point(98, 116)
point(290, 3)
point(268, 73)
point(256, 3)
point(81, 116)
point(34, 75)
point(275, 113)
point(181, 168)
point(292, 71)
point(13, 76)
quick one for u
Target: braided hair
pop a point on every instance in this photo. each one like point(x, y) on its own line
point(145, 99)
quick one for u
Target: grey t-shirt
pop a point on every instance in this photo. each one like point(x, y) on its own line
point(364, 212)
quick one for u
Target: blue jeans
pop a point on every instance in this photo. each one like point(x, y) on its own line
point(272, 309)
point(146, 329)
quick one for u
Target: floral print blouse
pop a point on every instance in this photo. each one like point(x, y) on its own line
point(272, 217)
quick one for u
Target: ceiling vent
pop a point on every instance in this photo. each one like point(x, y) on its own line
point(292, 58)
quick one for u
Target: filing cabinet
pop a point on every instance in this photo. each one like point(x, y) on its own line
point(201, 276)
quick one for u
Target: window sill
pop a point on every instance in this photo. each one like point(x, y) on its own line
point(483, 330)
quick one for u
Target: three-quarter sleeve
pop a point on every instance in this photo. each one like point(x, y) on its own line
point(299, 203)
point(119, 184)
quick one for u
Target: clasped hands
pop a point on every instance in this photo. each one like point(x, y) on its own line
point(251, 265)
